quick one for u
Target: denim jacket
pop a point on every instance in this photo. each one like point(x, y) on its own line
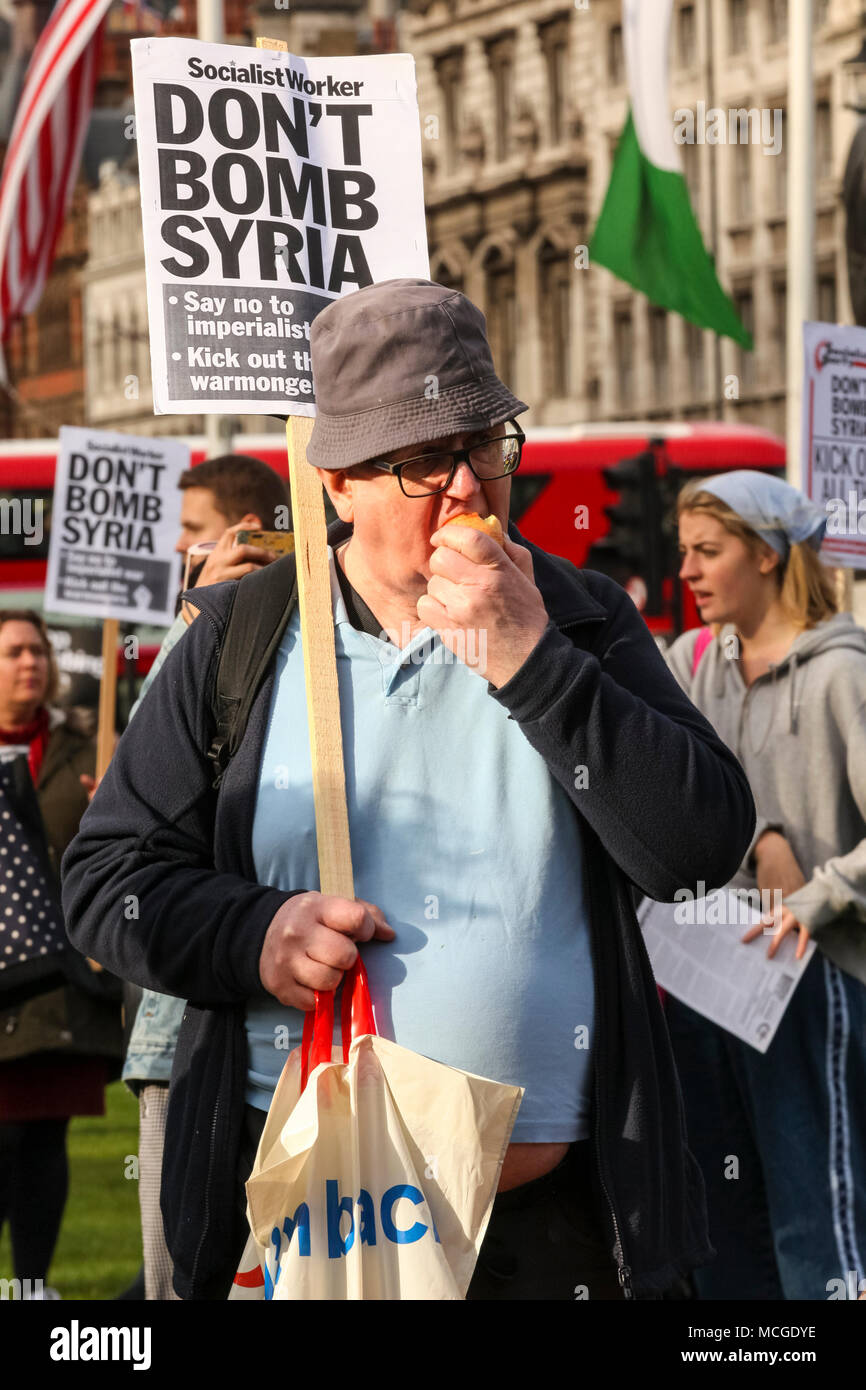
point(154, 1037)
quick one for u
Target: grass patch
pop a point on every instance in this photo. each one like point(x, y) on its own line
point(99, 1250)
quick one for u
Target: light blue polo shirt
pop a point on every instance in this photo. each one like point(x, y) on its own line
point(473, 852)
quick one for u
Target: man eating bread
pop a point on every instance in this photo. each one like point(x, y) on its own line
point(501, 811)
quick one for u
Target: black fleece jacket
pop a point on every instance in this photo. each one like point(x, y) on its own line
point(159, 886)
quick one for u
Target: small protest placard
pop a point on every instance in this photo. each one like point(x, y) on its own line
point(115, 521)
point(834, 436)
point(270, 185)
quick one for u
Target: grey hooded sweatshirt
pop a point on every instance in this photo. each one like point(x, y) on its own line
point(800, 734)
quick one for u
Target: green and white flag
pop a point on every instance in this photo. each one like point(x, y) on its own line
point(647, 233)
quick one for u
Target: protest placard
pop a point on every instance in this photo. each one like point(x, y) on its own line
point(76, 648)
point(114, 525)
point(834, 436)
point(270, 184)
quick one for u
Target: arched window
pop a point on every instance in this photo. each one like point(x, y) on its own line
point(449, 74)
point(443, 272)
point(501, 312)
point(554, 315)
point(554, 45)
point(501, 57)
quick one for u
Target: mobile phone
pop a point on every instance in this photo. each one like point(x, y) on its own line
point(283, 542)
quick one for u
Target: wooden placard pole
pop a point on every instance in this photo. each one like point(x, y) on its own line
point(320, 665)
point(107, 697)
point(317, 643)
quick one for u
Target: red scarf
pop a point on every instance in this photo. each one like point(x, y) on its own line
point(36, 734)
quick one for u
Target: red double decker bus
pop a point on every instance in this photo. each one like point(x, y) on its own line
point(602, 495)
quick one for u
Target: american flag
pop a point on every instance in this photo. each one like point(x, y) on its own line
point(44, 152)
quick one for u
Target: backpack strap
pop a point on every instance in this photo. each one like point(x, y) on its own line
point(705, 637)
point(262, 603)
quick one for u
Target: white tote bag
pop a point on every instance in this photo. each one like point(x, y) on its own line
point(376, 1170)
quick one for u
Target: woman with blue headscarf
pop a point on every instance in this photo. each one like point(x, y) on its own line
point(783, 680)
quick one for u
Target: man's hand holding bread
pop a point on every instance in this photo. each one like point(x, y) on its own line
point(482, 582)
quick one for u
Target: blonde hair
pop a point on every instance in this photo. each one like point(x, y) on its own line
point(28, 615)
point(806, 588)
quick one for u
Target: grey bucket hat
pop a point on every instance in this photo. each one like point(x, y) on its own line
point(398, 363)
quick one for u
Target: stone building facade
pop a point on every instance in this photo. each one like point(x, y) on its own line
point(522, 106)
point(45, 350)
point(506, 158)
point(117, 350)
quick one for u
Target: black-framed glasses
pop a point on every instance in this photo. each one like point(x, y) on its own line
point(430, 473)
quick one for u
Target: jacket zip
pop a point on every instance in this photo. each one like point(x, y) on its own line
point(213, 1128)
point(206, 1222)
point(213, 623)
point(623, 1270)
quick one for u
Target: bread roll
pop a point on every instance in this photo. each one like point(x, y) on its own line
point(488, 524)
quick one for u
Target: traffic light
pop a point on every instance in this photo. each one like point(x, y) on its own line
point(633, 551)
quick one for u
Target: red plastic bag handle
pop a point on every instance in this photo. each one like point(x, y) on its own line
point(356, 1019)
point(356, 1013)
